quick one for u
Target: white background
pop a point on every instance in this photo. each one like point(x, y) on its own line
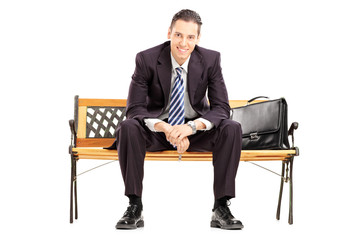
point(306, 51)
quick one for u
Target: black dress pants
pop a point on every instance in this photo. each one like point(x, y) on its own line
point(134, 139)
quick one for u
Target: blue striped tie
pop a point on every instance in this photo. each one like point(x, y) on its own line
point(177, 111)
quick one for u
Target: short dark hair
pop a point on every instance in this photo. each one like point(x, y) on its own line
point(187, 15)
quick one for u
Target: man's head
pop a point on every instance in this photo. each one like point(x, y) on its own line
point(187, 16)
point(184, 34)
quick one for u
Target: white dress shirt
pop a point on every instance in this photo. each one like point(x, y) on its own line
point(189, 111)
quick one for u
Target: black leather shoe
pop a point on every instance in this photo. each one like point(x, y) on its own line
point(132, 218)
point(222, 218)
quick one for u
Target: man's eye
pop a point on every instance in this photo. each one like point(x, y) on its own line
point(178, 35)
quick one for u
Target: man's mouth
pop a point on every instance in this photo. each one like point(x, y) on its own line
point(182, 50)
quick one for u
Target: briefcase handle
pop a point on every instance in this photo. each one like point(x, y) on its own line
point(255, 99)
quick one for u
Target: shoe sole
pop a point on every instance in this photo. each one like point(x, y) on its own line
point(216, 224)
point(139, 224)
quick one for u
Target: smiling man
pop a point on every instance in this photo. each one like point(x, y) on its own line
point(178, 101)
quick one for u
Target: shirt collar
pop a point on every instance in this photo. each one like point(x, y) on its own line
point(175, 64)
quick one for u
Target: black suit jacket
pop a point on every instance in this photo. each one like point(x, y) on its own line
point(150, 86)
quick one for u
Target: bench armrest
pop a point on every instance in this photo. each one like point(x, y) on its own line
point(72, 126)
point(293, 127)
point(73, 135)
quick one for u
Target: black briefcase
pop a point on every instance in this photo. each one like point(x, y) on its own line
point(264, 124)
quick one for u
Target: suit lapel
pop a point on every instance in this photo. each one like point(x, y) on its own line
point(195, 71)
point(164, 72)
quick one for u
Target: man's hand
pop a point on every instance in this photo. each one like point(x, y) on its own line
point(176, 135)
point(183, 145)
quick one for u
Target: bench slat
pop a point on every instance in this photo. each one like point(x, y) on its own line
point(102, 102)
point(246, 155)
point(243, 159)
point(122, 102)
point(94, 142)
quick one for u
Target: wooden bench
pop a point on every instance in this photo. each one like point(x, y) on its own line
point(94, 125)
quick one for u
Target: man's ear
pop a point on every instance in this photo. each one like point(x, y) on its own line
point(198, 39)
point(169, 33)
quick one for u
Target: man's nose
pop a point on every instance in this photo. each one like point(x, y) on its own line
point(183, 41)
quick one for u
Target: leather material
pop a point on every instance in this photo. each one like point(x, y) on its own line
point(222, 218)
point(131, 219)
point(264, 125)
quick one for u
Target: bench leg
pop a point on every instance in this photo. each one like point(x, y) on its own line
point(291, 192)
point(71, 189)
point(281, 191)
point(75, 189)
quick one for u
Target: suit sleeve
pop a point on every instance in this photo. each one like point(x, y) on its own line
point(218, 96)
point(138, 90)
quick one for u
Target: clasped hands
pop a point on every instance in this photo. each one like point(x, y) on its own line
point(177, 135)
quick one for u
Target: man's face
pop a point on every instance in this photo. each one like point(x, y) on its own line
point(183, 38)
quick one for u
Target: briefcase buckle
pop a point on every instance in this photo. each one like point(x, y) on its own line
point(254, 136)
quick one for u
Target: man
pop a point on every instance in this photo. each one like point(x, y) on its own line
point(178, 100)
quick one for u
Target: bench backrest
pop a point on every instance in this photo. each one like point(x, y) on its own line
point(96, 119)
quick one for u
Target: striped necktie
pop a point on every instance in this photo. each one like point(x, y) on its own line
point(177, 111)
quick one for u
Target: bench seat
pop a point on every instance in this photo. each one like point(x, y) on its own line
point(246, 155)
